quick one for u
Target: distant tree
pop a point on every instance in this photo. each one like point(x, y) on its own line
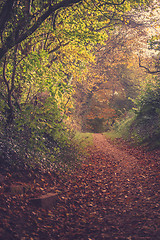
point(112, 79)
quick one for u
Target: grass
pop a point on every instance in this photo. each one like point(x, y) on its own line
point(112, 134)
point(84, 139)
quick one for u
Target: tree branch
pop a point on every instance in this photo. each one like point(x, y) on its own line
point(147, 69)
point(58, 47)
point(112, 3)
point(14, 68)
point(4, 75)
point(11, 41)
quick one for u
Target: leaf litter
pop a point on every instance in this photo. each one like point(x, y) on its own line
point(113, 194)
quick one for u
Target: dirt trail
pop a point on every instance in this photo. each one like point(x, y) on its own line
point(134, 191)
point(125, 162)
point(112, 195)
point(115, 196)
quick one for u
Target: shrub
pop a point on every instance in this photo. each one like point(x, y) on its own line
point(144, 126)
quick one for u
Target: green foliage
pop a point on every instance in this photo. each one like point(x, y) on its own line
point(147, 121)
point(43, 45)
point(36, 137)
point(123, 125)
point(112, 134)
point(154, 43)
point(148, 102)
point(143, 126)
point(20, 19)
point(37, 133)
point(85, 139)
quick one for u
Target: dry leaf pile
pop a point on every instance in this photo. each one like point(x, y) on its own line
point(114, 194)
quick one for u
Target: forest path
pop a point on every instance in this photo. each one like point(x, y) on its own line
point(113, 194)
point(130, 188)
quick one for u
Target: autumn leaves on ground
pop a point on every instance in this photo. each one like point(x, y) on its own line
point(113, 194)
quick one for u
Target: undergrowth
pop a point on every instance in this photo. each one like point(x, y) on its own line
point(84, 140)
point(142, 124)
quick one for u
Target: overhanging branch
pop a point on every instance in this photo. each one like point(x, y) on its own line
point(147, 69)
point(112, 3)
point(11, 41)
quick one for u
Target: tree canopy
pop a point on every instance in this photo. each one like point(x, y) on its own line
point(20, 19)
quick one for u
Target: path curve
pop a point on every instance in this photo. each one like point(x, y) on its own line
point(112, 195)
point(118, 195)
point(133, 190)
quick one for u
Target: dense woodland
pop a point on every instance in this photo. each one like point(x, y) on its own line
point(79, 119)
point(70, 66)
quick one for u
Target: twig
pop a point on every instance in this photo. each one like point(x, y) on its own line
point(147, 69)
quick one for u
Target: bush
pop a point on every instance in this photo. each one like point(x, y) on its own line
point(32, 109)
point(37, 136)
point(144, 126)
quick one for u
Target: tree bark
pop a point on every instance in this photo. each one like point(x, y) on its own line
point(10, 87)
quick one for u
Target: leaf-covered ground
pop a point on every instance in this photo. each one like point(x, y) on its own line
point(114, 194)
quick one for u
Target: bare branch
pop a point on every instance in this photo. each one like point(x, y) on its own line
point(112, 3)
point(4, 75)
point(14, 68)
point(58, 47)
point(147, 69)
